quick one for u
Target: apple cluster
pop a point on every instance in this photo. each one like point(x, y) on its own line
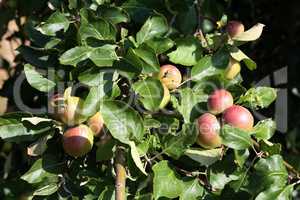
point(78, 138)
point(221, 110)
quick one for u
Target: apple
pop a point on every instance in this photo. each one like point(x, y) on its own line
point(232, 69)
point(209, 127)
point(219, 100)
point(235, 28)
point(72, 111)
point(170, 76)
point(239, 117)
point(78, 141)
point(166, 98)
point(56, 106)
point(96, 124)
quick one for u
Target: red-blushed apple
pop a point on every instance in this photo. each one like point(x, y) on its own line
point(209, 127)
point(219, 100)
point(239, 117)
point(96, 124)
point(78, 141)
point(170, 76)
point(234, 28)
point(166, 98)
point(233, 69)
point(72, 111)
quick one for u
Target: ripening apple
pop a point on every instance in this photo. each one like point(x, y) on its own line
point(235, 28)
point(170, 76)
point(166, 98)
point(233, 69)
point(239, 117)
point(96, 123)
point(56, 106)
point(78, 141)
point(219, 100)
point(72, 111)
point(209, 127)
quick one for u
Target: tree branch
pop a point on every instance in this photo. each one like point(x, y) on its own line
point(120, 183)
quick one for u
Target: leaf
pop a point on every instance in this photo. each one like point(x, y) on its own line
point(36, 120)
point(114, 14)
point(270, 148)
point(204, 157)
point(260, 97)
point(188, 52)
point(105, 150)
point(241, 156)
point(123, 122)
point(101, 56)
point(235, 138)
point(238, 55)
point(176, 146)
point(46, 190)
point(163, 177)
point(136, 157)
point(155, 26)
point(36, 80)
point(95, 77)
point(204, 68)
point(265, 129)
point(38, 147)
point(251, 34)
point(192, 190)
point(150, 92)
point(284, 193)
point(220, 179)
point(160, 45)
point(56, 22)
point(189, 103)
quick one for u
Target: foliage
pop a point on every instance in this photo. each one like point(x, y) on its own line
point(112, 51)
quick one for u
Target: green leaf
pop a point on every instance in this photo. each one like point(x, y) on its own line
point(238, 55)
point(250, 35)
point(235, 138)
point(189, 103)
point(241, 156)
point(105, 150)
point(150, 92)
point(188, 52)
point(160, 45)
point(284, 193)
point(56, 22)
point(36, 80)
point(265, 129)
point(192, 190)
point(101, 56)
point(72, 4)
point(220, 179)
point(269, 147)
point(260, 97)
point(166, 182)
point(37, 173)
point(46, 190)
point(136, 157)
point(114, 14)
point(155, 26)
point(204, 157)
point(204, 68)
point(176, 146)
point(100, 30)
point(123, 122)
point(95, 77)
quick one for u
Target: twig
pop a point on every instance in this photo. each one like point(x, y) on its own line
point(120, 170)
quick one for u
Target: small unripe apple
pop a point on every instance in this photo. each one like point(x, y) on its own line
point(235, 28)
point(170, 76)
point(219, 100)
point(96, 123)
point(166, 98)
point(209, 127)
point(239, 117)
point(78, 141)
point(56, 106)
point(72, 111)
point(232, 69)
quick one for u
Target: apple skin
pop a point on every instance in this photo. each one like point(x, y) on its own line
point(78, 141)
point(239, 117)
point(235, 28)
point(233, 69)
point(219, 101)
point(209, 127)
point(96, 124)
point(56, 106)
point(166, 98)
point(170, 76)
point(72, 111)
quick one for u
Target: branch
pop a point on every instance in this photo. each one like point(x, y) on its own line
point(120, 183)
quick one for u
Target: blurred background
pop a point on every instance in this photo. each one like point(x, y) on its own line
point(277, 54)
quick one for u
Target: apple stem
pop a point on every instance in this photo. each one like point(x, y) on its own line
point(120, 170)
